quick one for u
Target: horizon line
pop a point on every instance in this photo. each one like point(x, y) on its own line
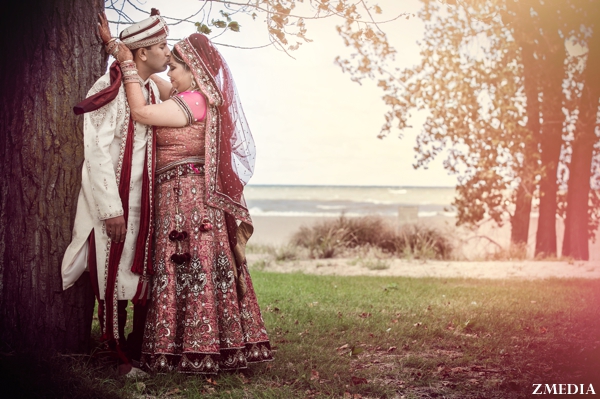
point(343, 185)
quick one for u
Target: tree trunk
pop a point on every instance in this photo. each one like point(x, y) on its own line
point(522, 215)
point(552, 74)
point(51, 57)
point(575, 242)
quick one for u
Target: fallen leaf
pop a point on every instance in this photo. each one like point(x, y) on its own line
point(314, 375)
point(359, 380)
point(345, 346)
point(364, 315)
point(173, 391)
point(543, 330)
point(418, 324)
point(391, 349)
point(211, 381)
point(356, 351)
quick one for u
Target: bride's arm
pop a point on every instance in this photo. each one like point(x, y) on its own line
point(164, 87)
point(167, 113)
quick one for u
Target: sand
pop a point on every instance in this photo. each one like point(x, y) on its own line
point(276, 231)
point(530, 270)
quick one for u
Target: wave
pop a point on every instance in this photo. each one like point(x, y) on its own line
point(377, 202)
point(260, 212)
point(427, 214)
point(398, 191)
point(331, 206)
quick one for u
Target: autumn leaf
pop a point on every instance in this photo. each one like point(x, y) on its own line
point(359, 380)
point(314, 375)
point(345, 346)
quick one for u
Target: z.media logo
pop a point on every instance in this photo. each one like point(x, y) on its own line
point(563, 389)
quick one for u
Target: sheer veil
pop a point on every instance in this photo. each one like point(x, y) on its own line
point(230, 149)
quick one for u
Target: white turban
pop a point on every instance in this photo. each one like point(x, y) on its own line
point(145, 33)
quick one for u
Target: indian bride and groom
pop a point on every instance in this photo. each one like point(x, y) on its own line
point(161, 218)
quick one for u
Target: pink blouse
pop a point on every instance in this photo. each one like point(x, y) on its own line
point(175, 144)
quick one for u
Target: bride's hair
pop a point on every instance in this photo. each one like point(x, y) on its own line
point(178, 58)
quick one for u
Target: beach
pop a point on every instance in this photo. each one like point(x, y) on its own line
point(280, 211)
point(278, 230)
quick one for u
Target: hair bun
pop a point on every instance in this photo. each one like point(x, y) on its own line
point(154, 12)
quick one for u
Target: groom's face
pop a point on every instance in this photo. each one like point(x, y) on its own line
point(158, 57)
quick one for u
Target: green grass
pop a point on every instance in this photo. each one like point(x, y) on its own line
point(392, 337)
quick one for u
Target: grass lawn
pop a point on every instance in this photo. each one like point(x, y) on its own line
point(379, 337)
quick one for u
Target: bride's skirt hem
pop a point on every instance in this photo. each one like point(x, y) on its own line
point(208, 362)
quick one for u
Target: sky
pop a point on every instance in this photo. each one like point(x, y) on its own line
point(312, 124)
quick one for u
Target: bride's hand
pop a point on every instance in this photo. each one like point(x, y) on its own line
point(103, 28)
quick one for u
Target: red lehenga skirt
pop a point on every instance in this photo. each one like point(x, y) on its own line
point(196, 323)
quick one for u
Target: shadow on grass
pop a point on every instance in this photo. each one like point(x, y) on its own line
point(374, 337)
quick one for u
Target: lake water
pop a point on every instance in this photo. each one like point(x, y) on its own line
point(281, 200)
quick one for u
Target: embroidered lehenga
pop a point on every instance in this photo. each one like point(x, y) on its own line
point(204, 316)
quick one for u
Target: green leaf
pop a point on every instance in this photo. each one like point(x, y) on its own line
point(356, 351)
point(219, 24)
point(203, 28)
point(234, 26)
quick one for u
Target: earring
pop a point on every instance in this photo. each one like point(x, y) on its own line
point(193, 86)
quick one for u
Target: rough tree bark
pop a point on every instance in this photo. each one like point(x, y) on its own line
point(521, 218)
point(51, 58)
point(552, 74)
point(576, 239)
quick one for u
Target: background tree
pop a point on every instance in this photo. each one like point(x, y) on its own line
point(582, 202)
point(492, 77)
point(471, 81)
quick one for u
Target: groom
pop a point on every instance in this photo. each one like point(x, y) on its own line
point(112, 234)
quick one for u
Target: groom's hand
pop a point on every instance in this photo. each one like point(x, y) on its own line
point(116, 228)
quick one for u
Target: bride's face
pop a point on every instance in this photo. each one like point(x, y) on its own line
point(181, 77)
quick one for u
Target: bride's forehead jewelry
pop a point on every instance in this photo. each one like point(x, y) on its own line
point(177, 58)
